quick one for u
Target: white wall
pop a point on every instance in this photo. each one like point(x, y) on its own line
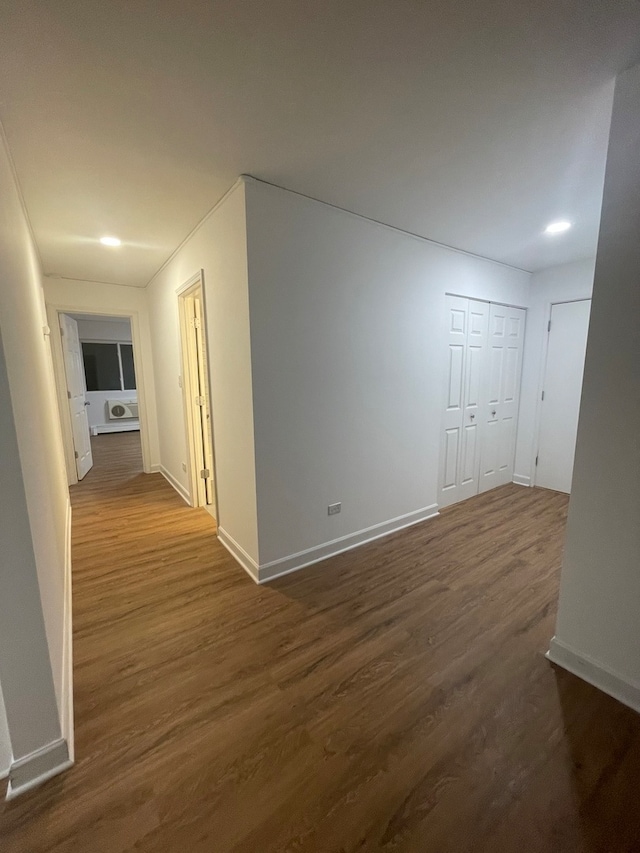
point(555, 284)
point(33, 494)
point(106, 331)
point(598, 627)
point(218, 247)
point(347, 335)
point(31, 604)
point(86, 297)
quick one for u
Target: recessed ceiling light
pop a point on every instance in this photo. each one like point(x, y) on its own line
point(557, 227)
point(110, 241)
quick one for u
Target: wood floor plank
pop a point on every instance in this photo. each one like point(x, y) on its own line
point(393, 698)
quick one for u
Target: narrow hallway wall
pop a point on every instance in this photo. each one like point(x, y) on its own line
point(598, 631)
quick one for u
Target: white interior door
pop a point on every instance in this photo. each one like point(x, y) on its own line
point(560, 406)
point(204, 409)
point(502, 395)
point(467, 328)
point(197, 403)
point(74, 371)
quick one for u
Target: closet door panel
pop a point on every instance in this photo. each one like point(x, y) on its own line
point(467, 331)
point(500, 409)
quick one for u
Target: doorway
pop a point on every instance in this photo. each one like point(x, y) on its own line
point(196, 395)
point(562, 389)
point(98, 387)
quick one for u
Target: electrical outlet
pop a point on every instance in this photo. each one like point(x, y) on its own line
point(184, 466)
point(334, 509)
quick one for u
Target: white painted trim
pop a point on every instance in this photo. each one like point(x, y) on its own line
point(246, 178)
point(56, 277)
point(195, 230)
point(521, 480)
point(195, 461)
point(239, 554)
point(38, 767)
point(286, 565)
point(594, 673)
point(203, 296)
point(130, 426)
point(461, 295)
point(537, 417)
point(4, 142)
point(66, 711)
point(180, 489)
point(190, 283)
point(277, 568)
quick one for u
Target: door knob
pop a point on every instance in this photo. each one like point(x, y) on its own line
point(493, 413)
point(87, 403)
point(472, 416)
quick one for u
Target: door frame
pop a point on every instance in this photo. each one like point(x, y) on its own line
point(60, 377)
point(192, 430)
point(541, 377)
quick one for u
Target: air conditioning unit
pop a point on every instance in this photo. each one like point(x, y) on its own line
point(120, 410)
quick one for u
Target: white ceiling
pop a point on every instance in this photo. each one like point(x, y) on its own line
point(473, 124)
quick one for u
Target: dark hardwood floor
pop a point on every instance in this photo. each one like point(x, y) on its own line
point(394, 698)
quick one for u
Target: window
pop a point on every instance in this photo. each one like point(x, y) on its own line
point(108, 367)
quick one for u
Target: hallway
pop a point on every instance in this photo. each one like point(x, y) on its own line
point(392, 698)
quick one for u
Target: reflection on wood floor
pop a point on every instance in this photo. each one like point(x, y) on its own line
point(394, 698)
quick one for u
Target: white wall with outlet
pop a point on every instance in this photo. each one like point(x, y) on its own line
point(347, 337)
point(218, 246)
point(555, 284)
point(107, 330)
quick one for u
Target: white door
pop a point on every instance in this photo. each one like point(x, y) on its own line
point(467, 327)
point(502, 395)
point(560, 406)
point(204, 410)
point(74, 371)
point(197, 403)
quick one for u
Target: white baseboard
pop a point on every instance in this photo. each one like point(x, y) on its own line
point(239, 554)
point(5, 741)
point(286, 565)
point(66, 711)
point(38, 767)
point(180, 489)
point(594, 673)
point(117, 426)
point(521, 480)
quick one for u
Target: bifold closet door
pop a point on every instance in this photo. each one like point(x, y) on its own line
point(467, 329)
point(502, 395)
